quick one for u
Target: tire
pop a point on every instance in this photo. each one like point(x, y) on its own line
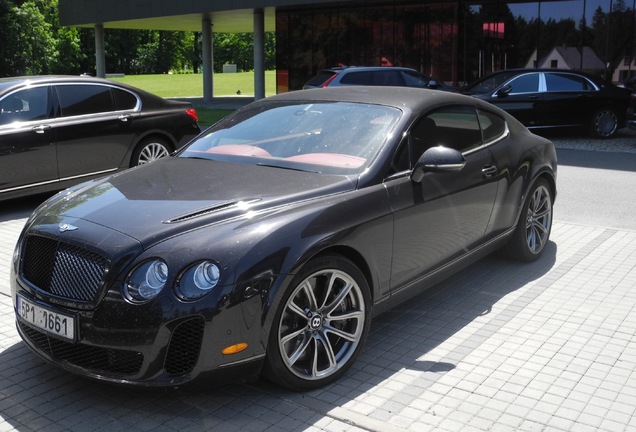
point(604, 123)
point(320, 326)
point(533, 229)
point(149, 150)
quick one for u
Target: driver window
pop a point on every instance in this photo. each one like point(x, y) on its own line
point(454, 126)
point(25, 105)
point(528, 83)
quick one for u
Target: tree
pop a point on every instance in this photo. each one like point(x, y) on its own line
point(35, 43)
point(29, 47)
point(613, 34)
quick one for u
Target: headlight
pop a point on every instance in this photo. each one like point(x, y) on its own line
point(16, 255)
point(146, 281)
point(198, 280)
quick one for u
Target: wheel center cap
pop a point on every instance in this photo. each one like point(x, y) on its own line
point(315, 322)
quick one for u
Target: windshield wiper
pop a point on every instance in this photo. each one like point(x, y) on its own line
point(286, 167)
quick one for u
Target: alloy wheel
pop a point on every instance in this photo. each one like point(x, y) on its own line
point(151, 152)
point(322, 324)
point(539, 219)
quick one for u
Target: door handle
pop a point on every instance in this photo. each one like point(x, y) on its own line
point(124, 117)
point(40, 129)
point(489, 170)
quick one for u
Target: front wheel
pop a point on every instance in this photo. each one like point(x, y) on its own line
point(149, 150)
point(320, 327)
point(604, 123)
point(533, 229)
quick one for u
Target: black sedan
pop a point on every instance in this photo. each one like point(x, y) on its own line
point(58, 131)
point(554, 98)
point(269, 243)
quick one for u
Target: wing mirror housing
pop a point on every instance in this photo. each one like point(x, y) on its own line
point(438, 159)
point(503, 91)
point(433, 84)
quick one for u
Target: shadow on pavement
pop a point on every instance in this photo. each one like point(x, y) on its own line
point(41, 396)
point(19, 208)
point(600, 160)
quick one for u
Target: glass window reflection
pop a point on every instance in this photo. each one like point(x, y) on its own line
point(456, 42)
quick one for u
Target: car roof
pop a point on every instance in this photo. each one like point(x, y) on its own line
point(524, 70)
point(400, 97)
point(51, 79)
point(340, 69)
point(10, 83)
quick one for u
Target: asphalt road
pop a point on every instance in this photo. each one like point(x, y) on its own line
point(596, 188)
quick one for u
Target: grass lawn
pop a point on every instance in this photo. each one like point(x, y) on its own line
point(191, 85)
point(209, 116)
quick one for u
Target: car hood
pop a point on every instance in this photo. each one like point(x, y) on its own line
point(173, 195)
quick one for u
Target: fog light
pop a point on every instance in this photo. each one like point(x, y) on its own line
point(233, 349)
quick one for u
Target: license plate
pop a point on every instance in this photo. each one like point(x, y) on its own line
point(43, 318)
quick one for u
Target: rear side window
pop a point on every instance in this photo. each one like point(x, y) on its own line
point(493, 127)
point(124, 100)
point(558, 82)
point(25, 105)
point(373, 78)
point(528, 83)
point(358, 78)
point(388, 78)
point(81, 99)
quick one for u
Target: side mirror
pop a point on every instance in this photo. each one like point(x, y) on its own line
point(503, 91)
point(433, 84)
point(438, 160)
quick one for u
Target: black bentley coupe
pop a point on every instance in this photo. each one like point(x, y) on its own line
point(267, 245)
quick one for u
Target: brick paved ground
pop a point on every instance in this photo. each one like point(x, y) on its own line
point(502, 346)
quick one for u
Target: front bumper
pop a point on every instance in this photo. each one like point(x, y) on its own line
point(168, 350)
point(164, 342)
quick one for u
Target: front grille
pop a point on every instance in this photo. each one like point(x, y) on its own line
point(96, 359)
point(62, 269)
point(185, 345)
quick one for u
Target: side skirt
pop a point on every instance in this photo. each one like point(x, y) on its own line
point(441, 273)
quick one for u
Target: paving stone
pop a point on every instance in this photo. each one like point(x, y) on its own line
point(501, 346)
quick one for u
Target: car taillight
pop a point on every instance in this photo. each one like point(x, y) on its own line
point(192, 113)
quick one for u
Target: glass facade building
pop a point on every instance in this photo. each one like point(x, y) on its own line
point(456, 41)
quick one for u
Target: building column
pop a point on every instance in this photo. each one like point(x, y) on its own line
point(208, 59)
point(259, 54)
point(100, 56)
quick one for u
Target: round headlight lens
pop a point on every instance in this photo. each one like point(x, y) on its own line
point(146, 281)
point(198, 280)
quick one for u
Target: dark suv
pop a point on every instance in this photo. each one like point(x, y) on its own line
point(373, 76)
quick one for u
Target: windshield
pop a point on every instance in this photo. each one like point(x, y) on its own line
point(326, 137)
